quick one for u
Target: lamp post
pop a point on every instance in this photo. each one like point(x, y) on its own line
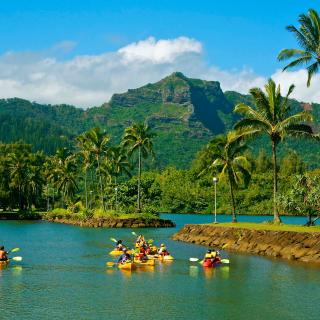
point(116, 190)
point(215, 181)
point(90, 199)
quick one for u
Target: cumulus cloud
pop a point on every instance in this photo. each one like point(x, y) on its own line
point(89, 80)
point(299, 79)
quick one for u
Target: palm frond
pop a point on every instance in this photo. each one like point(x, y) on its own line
point(312, 69)
point(291, 53)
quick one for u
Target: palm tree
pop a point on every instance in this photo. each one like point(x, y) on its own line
point(85, 154)
point(18, 170)
point(272, 116)
point(308, 37)
point(138, 138)
point(66, 174)
point(227, 159)
point(119, 163)
point(97, 142)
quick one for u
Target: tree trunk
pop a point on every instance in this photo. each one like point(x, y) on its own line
point(85, 188)
point(139, 181)
point(100, 179)
point(276, 217)
point(234, 217)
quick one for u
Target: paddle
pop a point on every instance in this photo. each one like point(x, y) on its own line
point(113, 240)
point(14, 250)
point(110, 264)
point(16, 258)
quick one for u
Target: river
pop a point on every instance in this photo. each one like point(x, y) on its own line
point(63, 276)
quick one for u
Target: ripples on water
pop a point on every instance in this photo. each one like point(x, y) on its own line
point(63, 276)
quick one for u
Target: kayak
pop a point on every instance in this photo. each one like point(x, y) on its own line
point(169, 257)
point(4, 263)
point(127, 266)
point(149, 262)
point(119, 252)
point(210, 264)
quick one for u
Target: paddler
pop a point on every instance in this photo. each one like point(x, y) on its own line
point(163, 250)
point(3, 254)
point(212, 255)
point(119, 245)
point(140, 240)
point(125, 257)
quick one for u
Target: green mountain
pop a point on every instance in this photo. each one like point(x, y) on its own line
point(185, 113)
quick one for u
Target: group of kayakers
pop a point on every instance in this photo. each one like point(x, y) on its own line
point(143, 250)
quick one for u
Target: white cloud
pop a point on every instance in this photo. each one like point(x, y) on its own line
point(299, 79)
point(161, 51)
point(89, 80)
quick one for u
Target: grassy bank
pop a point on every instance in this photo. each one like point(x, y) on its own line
point(268, 226)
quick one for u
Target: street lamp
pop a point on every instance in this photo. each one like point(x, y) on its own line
point(215, 181)
point(90, 199)
point(116, 190)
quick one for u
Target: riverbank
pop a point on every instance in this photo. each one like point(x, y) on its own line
point(117, 222)
point(132, 221)
point(286, 244)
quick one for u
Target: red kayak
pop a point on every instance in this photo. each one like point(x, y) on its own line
point(209, 264)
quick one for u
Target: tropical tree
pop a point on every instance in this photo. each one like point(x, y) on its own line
point(86, 160)
point(97, 142)
point(303, 198)
point(272, 116)
point(308, 37)
point(138, 139)
point(119, 163)
point(228, 160)
point(18, 173)
point(66, 174)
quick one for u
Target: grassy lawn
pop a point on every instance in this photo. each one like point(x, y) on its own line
point(267, 226)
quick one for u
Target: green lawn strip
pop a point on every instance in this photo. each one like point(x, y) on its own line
point(271, 227)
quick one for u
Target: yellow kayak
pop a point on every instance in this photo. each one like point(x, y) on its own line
point(127, 266)
point(166, 258)
point(163, 258)
point(119, 252)
point(3, 264)
point(149, 262)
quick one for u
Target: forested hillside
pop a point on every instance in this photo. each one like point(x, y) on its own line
point(185, 113)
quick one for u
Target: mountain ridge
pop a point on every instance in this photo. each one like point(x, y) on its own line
point(184, 112)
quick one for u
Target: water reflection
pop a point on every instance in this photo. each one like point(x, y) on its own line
point(194, 271)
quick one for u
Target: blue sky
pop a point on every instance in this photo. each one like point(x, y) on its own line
point(234, 35)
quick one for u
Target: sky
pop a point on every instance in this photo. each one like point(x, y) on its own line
point(81, 52)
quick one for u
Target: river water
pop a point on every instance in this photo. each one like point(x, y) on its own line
point(63, 276)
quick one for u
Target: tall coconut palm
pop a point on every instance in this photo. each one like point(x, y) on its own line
point(97, 142)
point(308, 37)
point(18, 162)
point(272, 116)
point(86, 158)
point(138, 139)
point(119, 163)
point(66, 173)
point(228, 160)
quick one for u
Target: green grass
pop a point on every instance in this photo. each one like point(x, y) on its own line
point(268, 226)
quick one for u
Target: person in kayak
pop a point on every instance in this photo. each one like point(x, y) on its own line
point(119, 245)
point(143, 254)
point(212, 255)
point(125, 257)
point(163, 250)
point(140, 240)
point(3, 254)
